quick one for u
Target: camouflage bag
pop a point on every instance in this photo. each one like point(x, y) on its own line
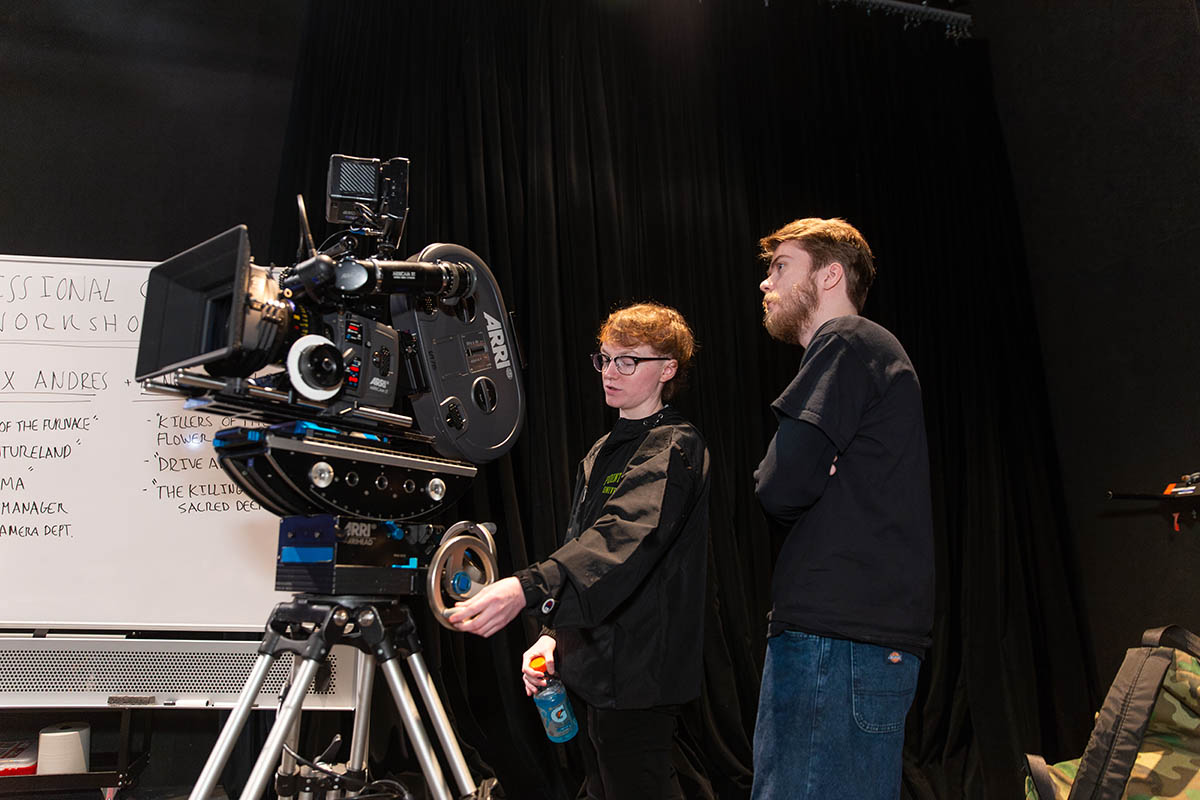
point(1146, 741)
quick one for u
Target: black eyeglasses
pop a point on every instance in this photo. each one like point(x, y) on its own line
point(625, 364)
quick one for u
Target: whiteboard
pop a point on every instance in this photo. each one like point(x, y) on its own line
point(113, 511)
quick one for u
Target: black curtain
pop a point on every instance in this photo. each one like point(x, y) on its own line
point(595, 153)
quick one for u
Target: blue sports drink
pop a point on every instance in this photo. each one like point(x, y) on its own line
point(554, 706)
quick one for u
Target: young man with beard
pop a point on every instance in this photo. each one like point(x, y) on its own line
point(847, 474)
point(622, 600)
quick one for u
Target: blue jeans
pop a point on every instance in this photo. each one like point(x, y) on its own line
point(831, 719)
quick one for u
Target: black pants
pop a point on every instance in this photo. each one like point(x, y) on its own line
point(633, 754)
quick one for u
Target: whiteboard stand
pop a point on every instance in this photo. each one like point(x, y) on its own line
point(90, 671)
point(107, 770)
point(43, 671)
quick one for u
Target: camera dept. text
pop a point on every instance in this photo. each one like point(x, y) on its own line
point(499, 344)
point(190, 479)
point(72, 304)
point(30, 519)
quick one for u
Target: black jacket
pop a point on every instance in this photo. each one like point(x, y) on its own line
point(627, 590)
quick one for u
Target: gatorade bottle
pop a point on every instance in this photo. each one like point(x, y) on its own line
point(554, 706)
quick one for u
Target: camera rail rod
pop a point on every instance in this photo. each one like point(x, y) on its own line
point(197, 381)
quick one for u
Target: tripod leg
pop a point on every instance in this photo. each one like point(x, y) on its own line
point(287, 762)
point(233, 726)
point(364, 682)
point(289, 714)
point(416, 733)
point(441, 724)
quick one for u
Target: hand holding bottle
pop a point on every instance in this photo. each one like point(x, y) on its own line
point(535, 680)
point(553, 704)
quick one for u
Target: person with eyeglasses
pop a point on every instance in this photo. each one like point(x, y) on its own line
point(622, 599)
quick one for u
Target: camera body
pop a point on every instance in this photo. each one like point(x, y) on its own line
point(372, 387)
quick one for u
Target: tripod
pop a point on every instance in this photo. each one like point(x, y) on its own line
point(383, 630)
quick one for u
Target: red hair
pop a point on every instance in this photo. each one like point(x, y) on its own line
point(661, 327)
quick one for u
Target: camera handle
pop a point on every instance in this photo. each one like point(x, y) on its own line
point(307, 627)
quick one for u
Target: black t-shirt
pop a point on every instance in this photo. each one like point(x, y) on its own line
point(609, 466)
point(858, 560)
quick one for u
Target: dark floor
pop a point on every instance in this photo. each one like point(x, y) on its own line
point(172, 793)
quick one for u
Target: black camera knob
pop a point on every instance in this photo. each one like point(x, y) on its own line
point(322, 366)
point(382, 359)
point(454, 416)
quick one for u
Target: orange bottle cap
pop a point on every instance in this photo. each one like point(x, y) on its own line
point(538, 663)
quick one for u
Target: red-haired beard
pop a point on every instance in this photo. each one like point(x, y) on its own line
point(793, 312)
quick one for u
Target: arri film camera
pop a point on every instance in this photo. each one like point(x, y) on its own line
point(372, 388)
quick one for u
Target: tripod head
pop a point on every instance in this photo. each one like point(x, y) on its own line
point(329, 555)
